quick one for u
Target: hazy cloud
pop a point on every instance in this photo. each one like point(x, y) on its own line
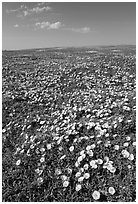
point(80, 30)
point(16, 25)
point(23, 10)
point(48, 25)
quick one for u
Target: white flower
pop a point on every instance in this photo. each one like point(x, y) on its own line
point(82, 152)
point(81, 170)
point(42, 159)
point(78, 174)
point(111, 190)
point(116, 147)
point(131, 157)
point(96, 195)
point(69, 170)
point(88, 147)
point(86, 166)
point(71, 148)
point(86, 175)
point(107, 135)
point(64, 177)
point(83, 156)
point(80, 158)
point(134, 143)
point(65, 184)
point(40, 180)
point(93, 146)
point(125, 153)
point(126, 108)
point(128, 138)
point(112, 169)
point(3, 130)
point(80, 179)
point(78, 187)
point(18, 162)
point(42, 149)
point(58, 171)
point(99, 161)
point(126, 144)
point(42, 122)
point(77, 164)
point(90, 153)
point(92, 163)
point(49, 146)
point(62, 157)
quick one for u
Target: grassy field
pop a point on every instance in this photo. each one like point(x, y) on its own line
point(69, 125)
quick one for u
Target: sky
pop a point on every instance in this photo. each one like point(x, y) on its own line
point(27, 25)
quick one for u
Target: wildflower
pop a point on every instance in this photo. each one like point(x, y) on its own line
point(81, 170)
point(99, 161)
point(107, 135)
point(86, 166)
point(42, 159)
point(80, 179)
point(71, 148)
point(65, 184)
point(49, 146)
point(58, 171)
point(3, 130)
point(42, 149)
point(111, 190)
point(131, 157)
point(129, 166)
point(78, 174)
point(112, 169)
point(88, 147)
point(126, 108)
point(78, 187)
point(42, 122)
point(86, 175)
point(80, 158)
point(60, 148)
point(134, 143)
point(77, 163)
point(83, 156)
point(64, 177)
point(93, 146)
point(128, 138)
point(125, 153)
point(62, 157)
point(32, 146)
point(90, 153)
point(96, 195)
point(18, 162)
point(40, 180)
point(98, 142)
point(116, 147)
point(92, 163)
point(69, 170)
point(126, 144)
point(82, 152)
